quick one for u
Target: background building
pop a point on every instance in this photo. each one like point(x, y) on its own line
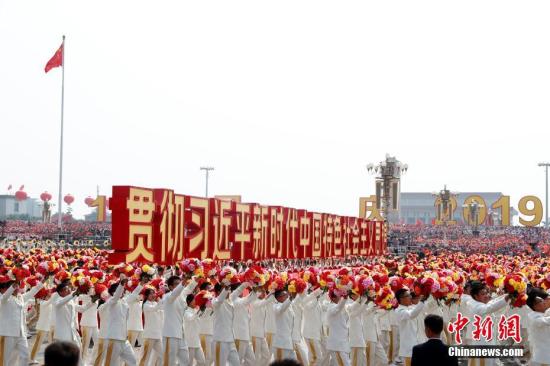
point(10, 208)
point(418, 207)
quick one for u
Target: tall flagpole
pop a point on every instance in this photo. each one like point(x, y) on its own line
point(59, 207)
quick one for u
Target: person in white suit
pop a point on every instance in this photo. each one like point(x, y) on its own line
point(116, 346)
point(206, 327)
point(191, 329)
point(482, 305)
point(241, 326)
point(13, 335)
point(376, 354)
point(153, 317)
point(539, 326)
point(135, 317)
point(258, 309)
point(464, 309)
point(65, 309)
point(270, 326)
point(53, 299)
point(88, 324)
point(297, 330)
point(223, 338)
point(283, 346)
point(405, 315)
point(174, 304)
point(43, 324)
point(356, 307)
point(338, 346)
point(313, 326)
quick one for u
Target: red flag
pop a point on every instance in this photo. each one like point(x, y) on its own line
point(56, 60)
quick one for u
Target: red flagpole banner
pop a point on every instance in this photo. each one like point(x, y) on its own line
point(56, 60)
point(157, 225)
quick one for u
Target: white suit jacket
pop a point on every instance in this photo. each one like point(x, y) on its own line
point(135, 316)
point(338, 327)
point(43, 322)
point(539, 336)
point(53, 299)
point(154, 317)
point(206, 322)
point(174, 305)
point(408, 332)
point(258, 309)
point(355, 310)
point(191, 326)
point(89, 317)
point(297, 306)
point(370, 323)
point(223, 315)
point(313, 316)
point(270, 326)
point(241, 318)
point(66, 321)
point(13, 311)
point(114, 317)
point(284, 321)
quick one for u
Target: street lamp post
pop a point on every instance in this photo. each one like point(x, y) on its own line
point(546, 165)
point(207, 170)
point(387, 184)
point(445, 200)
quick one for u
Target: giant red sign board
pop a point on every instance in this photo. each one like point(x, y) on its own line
point(157, 225)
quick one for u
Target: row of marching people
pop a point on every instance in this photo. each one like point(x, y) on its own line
point(197, 323)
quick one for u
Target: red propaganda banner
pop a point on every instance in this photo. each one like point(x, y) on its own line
point(157, 225)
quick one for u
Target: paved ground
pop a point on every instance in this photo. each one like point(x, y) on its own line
point(504, 362)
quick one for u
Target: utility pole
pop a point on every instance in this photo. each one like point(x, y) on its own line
point(207, 170)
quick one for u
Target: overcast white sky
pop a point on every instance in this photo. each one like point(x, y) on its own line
point(288, 100)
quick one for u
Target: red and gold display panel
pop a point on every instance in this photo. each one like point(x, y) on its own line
point(157, 225)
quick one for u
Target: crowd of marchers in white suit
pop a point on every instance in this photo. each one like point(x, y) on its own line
point(243, 326)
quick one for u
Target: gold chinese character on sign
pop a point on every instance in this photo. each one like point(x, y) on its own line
point(368, 209)
point(222, 224)
point(292, 233)
point(140, 207)
point(243, 235)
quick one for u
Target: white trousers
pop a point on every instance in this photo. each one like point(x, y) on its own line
point(376, 355)
point(394, 343)
point(175, 350)
point(315, 351)
point(339, 358)
point(133, 336)
point(41, 335)
point(385, 336)
point(206, 345)
point(225, 353)
point(281, 354)
point(12, 347)
point(246, 352)
point(261, 351)
point(88, 334)
point(358, 356)
point(151, 347)
point(113, 351)
point(301, 352)
point(196, 356)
